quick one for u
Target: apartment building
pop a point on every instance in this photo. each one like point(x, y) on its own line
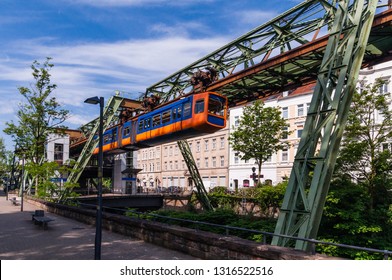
point(164, 166)
point(294, 106)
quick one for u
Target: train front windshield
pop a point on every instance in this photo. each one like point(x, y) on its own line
point(216, 105)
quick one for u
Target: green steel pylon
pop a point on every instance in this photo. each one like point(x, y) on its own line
point(88, 149)
point(302, 207)
point(194, 171)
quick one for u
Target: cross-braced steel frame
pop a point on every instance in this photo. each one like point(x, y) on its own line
point(302, 208)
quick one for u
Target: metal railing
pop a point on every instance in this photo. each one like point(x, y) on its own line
point(141, 215)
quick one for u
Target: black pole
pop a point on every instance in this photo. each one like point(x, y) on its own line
point(22, 183)
point(12, 172)
point(98, 232)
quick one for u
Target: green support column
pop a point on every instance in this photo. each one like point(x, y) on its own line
point(194, 171)
point(314, 162)
point(88, 149)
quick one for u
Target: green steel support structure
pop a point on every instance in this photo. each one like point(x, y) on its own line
point(192, 167)
point(302, 208)
point(108, 115)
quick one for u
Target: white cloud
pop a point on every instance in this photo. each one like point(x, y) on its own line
point(254, 17)
point(99, 69)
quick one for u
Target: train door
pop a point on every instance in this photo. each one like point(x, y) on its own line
point(177, 117)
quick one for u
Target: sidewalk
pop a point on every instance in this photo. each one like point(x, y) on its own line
point(66, 239)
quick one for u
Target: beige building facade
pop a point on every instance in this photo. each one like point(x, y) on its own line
point(163, 166)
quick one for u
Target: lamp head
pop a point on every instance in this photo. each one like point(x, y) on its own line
point(92, 100)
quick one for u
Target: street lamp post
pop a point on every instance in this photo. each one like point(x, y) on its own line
point(98, 223)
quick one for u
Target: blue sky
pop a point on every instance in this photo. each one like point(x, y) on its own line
point(100, 46)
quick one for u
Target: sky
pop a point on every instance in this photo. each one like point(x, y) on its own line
point(99, 47)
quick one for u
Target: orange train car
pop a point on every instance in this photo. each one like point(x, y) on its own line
point(182, 118)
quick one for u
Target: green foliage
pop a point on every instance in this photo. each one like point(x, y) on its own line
point(39, 116)
point(361, 156)
point(44, 175)
point(267, 197)
point(5, 162)
point(347, 220)
point(358, 206)
point(259, 133)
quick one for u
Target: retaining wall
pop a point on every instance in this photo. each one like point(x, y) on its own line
point(200, 244)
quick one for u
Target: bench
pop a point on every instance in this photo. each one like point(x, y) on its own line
point(39, 218)
point(15, 201)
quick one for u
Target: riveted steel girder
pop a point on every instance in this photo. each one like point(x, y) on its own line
point(194, 172)
point(302, 208)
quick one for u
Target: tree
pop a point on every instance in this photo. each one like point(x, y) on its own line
point(369, 128)
point(358, 209)
point(259, 133)
point(39, 116)
point(4, 156)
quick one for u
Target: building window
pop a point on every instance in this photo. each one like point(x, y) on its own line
point(222, 142)
point(236, 158)
point(285, 112)
point(285, 155)
point(214, 144)
point(300, 110)
point(206, 160)
point(384, 87)
point(198, 163)
point(58, 152)
point(206, 145)
point(299, 132)
point(198, 146)
point(158, 166)
point(307, 107)
point(213, 161)
point(222, 161)
point(236, 121)
point(285, 134)
point(176, 165)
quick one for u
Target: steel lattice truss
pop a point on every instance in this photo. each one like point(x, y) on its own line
point(279, 55)
point(295, 27)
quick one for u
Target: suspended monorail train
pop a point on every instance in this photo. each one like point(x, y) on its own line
point(185, 117)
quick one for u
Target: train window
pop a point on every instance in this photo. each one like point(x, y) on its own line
point(215, 106)
point(127, 131)
point(147, 123)
point(187, 109)
point(199, 106)
point(141, 125)
point(179, 109)
point(156, 120)
point(174, 113)
point(166, 117)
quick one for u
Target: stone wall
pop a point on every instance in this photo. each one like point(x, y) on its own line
point(200, 244)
